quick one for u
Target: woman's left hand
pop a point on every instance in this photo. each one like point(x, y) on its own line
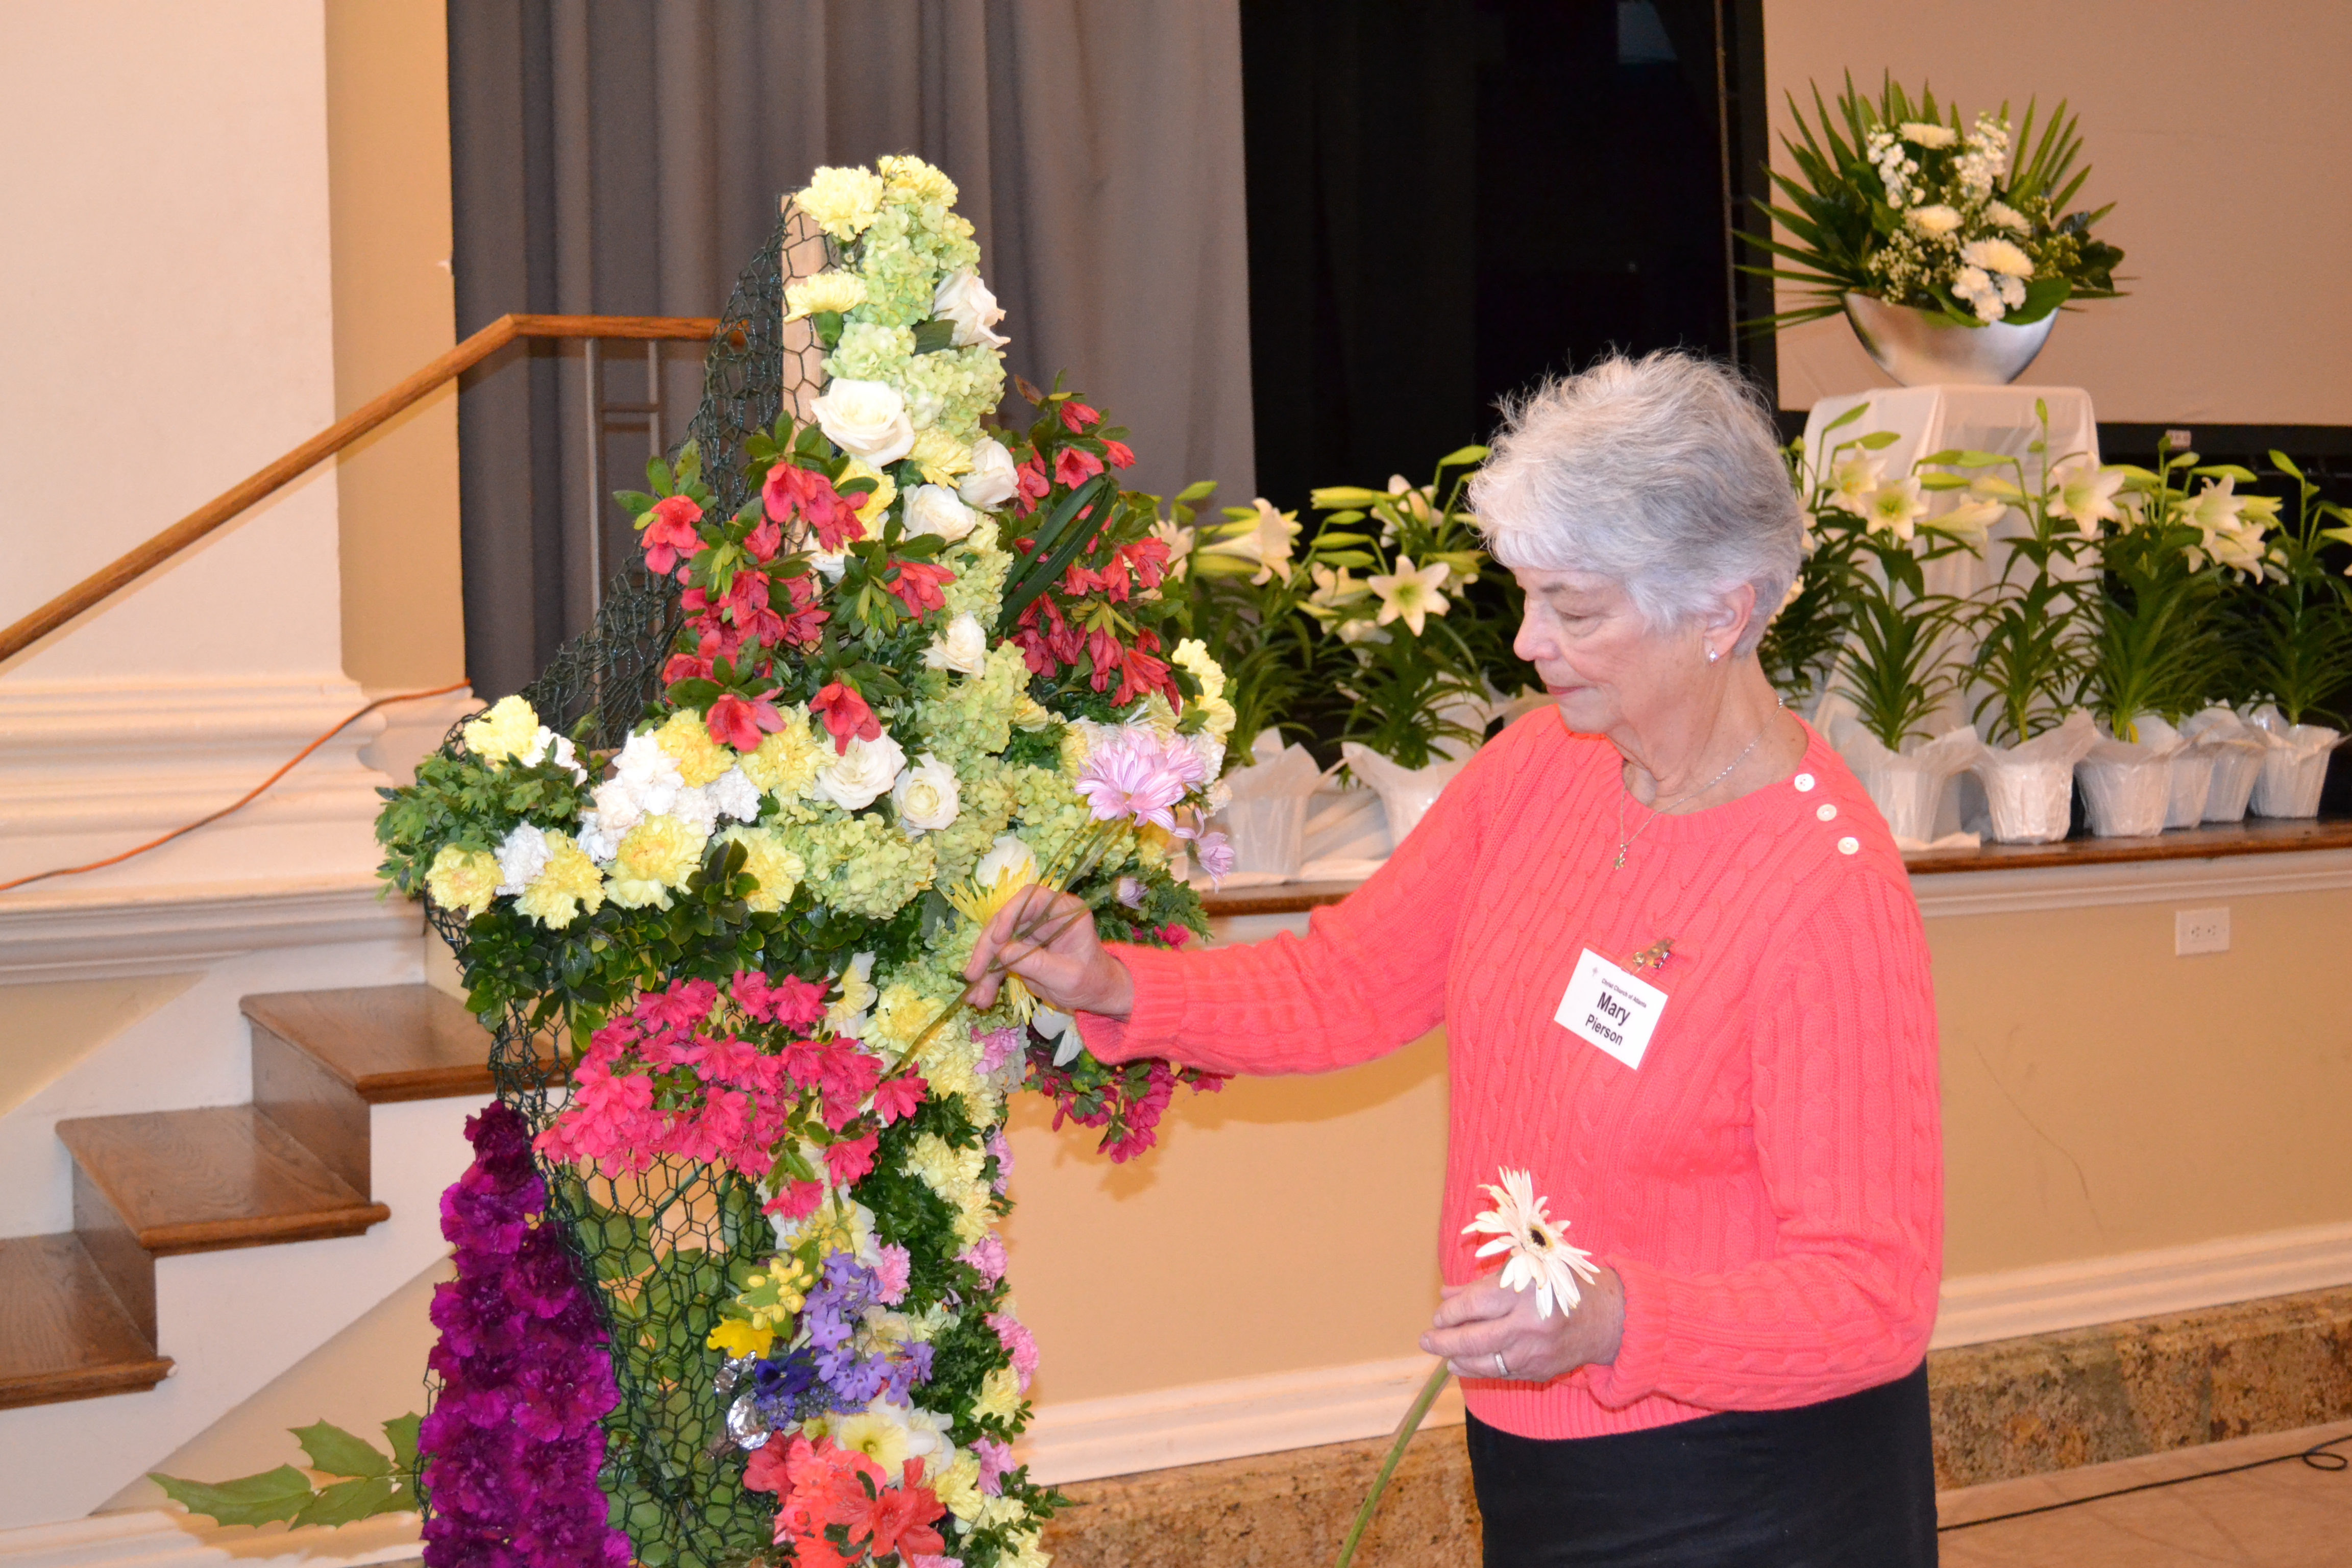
point(1477, 1321)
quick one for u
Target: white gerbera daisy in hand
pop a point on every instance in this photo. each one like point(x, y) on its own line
point(1539, 1251)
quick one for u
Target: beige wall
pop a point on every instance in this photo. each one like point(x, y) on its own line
point(2218, 130)
point(388, 172)
point(2101, 1096)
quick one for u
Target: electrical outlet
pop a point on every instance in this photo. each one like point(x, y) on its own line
point(2199, 931)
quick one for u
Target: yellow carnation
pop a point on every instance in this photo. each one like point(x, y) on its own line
point(1193, 655)
point(785, 764)
point(686, 739)
point(913, 177)
point(939, 456)
point(740, 1339)
point(902, 1012)
point(658, 854)
point(1023, 1549)
point(843, 201)
point(464, 880)
point(958, 1486)
point(1031, 715)
point(1000, 1396)
point(826, 292)
point(506, 731)
point(877, 500)
point(776, 869)
point(568, 884)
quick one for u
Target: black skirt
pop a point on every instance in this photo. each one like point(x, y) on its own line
point(1847, 1483)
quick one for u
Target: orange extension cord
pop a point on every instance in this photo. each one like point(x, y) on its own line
point(244, 800)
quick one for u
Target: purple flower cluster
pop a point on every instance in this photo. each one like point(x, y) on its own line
point(512, 1446)
point(830, 1373)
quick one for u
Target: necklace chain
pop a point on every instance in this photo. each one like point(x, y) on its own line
point(1625, 840)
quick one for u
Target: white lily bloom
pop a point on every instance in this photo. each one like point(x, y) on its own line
point(1264, 538)
point(1896, 508)
point(1537, 1247)
point(1853, 480)
point(2086, 492)
point(1410, 594)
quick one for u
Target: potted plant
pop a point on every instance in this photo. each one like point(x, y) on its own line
point(1948, 246)
point(2290, 629)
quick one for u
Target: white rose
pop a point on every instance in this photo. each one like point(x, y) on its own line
point(964, 300)
point(1936, 219)
point(1007, 854)
point(933, 509)
point(865, 419)
point(859, 776)
point(962, 646)
point(993, 480)
point(927, 795)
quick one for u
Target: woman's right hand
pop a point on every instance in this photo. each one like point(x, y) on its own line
point(1061, 958)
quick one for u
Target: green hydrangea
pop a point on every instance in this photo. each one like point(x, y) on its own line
point(978, 590)
point(861, 864)
point(964, 718)
point(966, 384)
point(870, 351)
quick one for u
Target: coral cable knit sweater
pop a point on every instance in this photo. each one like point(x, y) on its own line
point(1768, 1183)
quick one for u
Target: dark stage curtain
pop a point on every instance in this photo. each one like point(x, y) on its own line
point(627, 156)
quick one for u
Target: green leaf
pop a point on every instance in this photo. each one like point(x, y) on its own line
point(348, 1501)
point(338, 1453)
point(1848, 417)
point(400, 1433)
point(278, 1494)
point(1463, 458)
point(934, 335)
point(1877, 439)
point(1198, 491)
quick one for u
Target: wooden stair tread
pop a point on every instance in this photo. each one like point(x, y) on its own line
point(387, 1043)
point(204, 1180)
point(63, 1334)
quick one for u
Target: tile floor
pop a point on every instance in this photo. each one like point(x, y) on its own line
point(2286, 1515)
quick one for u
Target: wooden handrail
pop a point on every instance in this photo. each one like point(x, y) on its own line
point(119, 574)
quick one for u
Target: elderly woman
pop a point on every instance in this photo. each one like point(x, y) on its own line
point(1684, 985)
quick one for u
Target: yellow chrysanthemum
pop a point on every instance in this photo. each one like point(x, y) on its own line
point(979, 903)
point(776, 869)
point(740, 1339)
point(1000, 1395)
point(785, 764)
point(657, 855)
point(569, 885)
point(464, 880)
point(939, 456)
point(687, 741)
point(506, 731)
point(877, 500)
point(843, 201)
point(826, 292)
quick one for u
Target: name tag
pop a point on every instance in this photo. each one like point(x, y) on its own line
point(1611, 1008)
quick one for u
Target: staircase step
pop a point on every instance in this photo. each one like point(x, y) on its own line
point(384, 1043)
point(63, 1334)
point(208, 1179)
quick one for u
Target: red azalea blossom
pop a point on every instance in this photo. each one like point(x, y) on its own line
point(803, 628)
point(851, 1159)
point(764, 541)
point(670, 531)
point(1078, 416)
point(896, 1519)
point(1147, 558)
point(1140, 673)
point(792, 490)
point(1074, 466)
point(737, 722)
point(795, 1200)
point(846, 714)
point(917, 584)
point(1034, 485)
point(1119, 454)
point(792, 1001)
point(897, 1098)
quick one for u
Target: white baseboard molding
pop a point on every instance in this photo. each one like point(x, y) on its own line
point(1089, 1438)
point(154, 1538)
point(1980, 1308)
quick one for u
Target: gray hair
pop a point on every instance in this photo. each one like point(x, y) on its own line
point(1663, 474)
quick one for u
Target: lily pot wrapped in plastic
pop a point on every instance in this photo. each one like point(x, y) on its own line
point(1267, 819)
point(2127, 784)
point(2294, 766)
point(2236, 748)
point(2030, 788)
point(1908, 786)
point(1406, 794)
